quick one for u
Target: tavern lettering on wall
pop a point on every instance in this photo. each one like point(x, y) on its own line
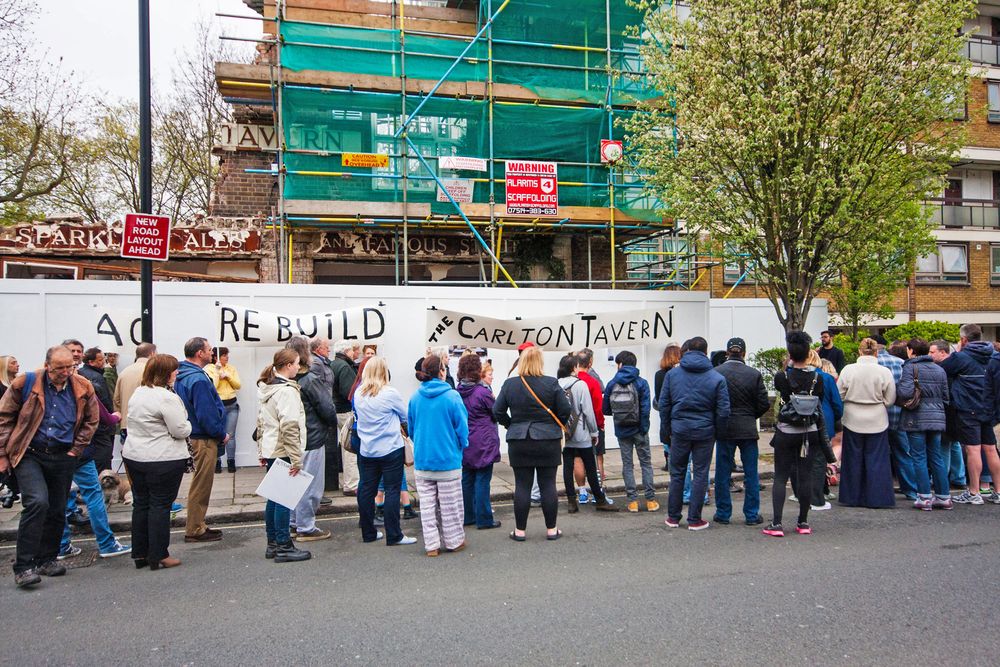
point(383, 246)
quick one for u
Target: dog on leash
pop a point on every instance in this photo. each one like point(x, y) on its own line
point(116, 488)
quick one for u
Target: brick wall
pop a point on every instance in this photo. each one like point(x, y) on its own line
point(980, 131)
point(238, 193)
point(302, 262)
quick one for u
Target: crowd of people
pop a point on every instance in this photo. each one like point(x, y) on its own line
point(917, 412)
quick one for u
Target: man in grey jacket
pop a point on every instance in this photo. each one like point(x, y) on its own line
point(747, 403)
point(344, 374)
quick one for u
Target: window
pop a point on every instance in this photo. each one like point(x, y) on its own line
point(737, 266)
point(950, 264)
point(993, 99)
point(995, 265)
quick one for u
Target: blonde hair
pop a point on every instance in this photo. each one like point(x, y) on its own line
point(813, 359)
point(5, 378)
point(375, 377)
point(827, 367)
point(868, 347)
point(531, 363)
point(487, 368)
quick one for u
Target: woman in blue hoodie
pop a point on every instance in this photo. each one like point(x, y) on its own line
point(439, 426)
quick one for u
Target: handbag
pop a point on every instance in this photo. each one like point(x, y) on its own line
point(189, 466)
point(913, 402)
point(407, 452)
point(562, 427)
point(800, 409)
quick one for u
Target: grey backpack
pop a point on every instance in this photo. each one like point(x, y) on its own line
point(624, 401)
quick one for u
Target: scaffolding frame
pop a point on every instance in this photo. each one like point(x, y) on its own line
point(494, 224)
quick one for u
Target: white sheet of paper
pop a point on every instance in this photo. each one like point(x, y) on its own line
point(281, 487)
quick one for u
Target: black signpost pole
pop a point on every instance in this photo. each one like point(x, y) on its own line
point(145, 166)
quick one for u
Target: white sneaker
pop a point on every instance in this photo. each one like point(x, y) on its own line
point(792, 498)
point(820, 508)
point(379, 535)
point(406, 540)
point(994, 498)
point(966, 498)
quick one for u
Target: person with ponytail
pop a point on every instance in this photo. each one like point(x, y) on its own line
point(281, 429)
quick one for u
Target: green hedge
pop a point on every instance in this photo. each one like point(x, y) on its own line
point(930, 330)
point(769, 362)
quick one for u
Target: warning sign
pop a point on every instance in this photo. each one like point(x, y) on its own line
point(457, 162)
point(146, 237)
point(364, 160)
point(460, 190)
point(532, 188)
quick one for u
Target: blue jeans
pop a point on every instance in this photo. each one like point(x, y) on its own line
point(902, 459)
point(389, 469)
point(956, 466)
point(232, 416)
point(277, 518)
point(929, 460)
point(402, 486)
point(90, 489)
point(725, 451)
point(687, 477)
point(476, 495)
point(699, 452)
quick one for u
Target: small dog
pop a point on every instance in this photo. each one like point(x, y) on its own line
point(117, 489)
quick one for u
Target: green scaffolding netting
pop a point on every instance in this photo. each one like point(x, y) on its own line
point(326, 123)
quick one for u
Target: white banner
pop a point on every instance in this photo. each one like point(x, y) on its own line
point(242, 325)
point(556, 333)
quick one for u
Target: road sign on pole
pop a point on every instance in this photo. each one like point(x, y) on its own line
point(146, 237)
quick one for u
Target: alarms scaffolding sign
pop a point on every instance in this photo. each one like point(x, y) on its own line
point(146, 237)
point(532, 188)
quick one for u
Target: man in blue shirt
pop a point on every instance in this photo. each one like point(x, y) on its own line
point(46, 420)
point(208, 431)
point(899, 443)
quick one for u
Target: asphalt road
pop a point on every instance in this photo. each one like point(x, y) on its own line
point(869, 587)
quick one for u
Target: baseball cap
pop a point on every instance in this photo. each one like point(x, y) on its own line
point(524, 346)
point(736, 345)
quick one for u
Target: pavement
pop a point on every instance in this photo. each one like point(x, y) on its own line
point(234, 499)
point(869, 587)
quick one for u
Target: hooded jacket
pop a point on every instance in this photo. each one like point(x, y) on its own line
point(104, 438)
point(204, 407)
point(694, 399)
point(934, 399)
point(629, 375)
point(281, 421)
point(586, 425)
point(484, 438)
point(439, 426)
point(747, 400)
point(344, 375)
point(966, 370)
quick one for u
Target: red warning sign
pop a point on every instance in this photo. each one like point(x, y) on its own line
point(532, 188)
point(146, 237)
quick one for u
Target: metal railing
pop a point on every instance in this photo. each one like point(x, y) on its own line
point(947, 212)
point(982, 49)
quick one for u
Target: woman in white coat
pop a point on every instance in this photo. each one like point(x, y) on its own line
point(155, 456)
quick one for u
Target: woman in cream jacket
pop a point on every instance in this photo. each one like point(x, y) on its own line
point(867, 390)
point(281, 434)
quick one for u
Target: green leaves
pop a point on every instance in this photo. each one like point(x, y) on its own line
point(808, 129)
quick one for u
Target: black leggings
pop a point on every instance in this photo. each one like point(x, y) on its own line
point(586, 455)
point(524, 478)
point(787, 448)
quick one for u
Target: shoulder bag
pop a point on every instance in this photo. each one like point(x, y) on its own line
point(913, 402)
point(562, 427)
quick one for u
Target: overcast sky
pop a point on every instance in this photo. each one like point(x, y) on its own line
point(99, 42)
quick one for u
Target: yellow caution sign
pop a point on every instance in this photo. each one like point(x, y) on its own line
point(364, 160)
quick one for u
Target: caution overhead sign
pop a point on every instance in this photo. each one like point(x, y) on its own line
point(364, 160)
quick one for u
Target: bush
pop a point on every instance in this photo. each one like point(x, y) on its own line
point(848, 345)
point(769, 362)
point(931, 330)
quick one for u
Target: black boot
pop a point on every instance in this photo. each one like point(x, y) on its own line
point(231, 465)
point(289, 553)
point(408, 512)
point(272, 548)
point(571, 500)
point(218, 466)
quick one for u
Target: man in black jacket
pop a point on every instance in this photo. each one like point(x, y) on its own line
point(747, 403)
point(104, 439)
point(832, 354)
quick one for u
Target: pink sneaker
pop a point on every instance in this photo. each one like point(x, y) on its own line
point(942, 504)
point(923, 504)
point(773, 530)
point(803, 529)
point(700, 524)
point(671, 523)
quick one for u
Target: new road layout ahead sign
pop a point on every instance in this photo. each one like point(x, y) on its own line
point(146, 237)
point(532, 188)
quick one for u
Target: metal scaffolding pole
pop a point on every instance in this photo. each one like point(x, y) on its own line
point(405, 147)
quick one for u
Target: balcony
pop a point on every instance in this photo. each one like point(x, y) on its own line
point(983, 50)
point(982, 213)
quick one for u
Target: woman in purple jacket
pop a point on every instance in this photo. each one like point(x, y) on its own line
point(484, 444)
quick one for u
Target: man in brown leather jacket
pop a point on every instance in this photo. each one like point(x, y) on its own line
point(44, 428)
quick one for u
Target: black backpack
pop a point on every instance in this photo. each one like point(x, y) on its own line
point(624, 402)
point(802, 408)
